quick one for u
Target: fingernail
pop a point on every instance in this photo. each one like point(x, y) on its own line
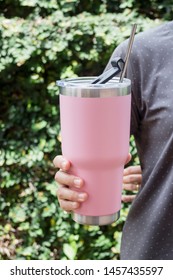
point(77, 182)
point(64, 164)
point(81, 196)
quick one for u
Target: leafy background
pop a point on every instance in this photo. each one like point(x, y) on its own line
point(40, 42)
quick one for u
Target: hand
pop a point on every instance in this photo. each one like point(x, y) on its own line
point(69, 200)
point(132, 179)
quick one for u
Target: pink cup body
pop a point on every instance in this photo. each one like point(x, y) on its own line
point(95, 139)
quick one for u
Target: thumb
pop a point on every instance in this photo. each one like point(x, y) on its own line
point(129, 157)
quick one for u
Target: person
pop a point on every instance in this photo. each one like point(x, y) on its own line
point(148, 230)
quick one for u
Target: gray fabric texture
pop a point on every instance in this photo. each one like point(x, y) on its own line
point(148, 230)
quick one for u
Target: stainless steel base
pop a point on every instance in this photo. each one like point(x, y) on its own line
point(96, 220)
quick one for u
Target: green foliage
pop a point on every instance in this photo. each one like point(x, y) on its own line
point(40, 42)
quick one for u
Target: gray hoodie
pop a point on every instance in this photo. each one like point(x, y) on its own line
point(148, 230)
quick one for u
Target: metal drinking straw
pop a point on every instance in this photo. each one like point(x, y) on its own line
point(128, 52)
point(118, 65)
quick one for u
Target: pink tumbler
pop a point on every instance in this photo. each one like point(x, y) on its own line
point(95, 130)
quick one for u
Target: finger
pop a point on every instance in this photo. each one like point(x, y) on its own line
point(61, 162)
point(70, 180)
point(64, 193)
point(135, 179)
point(68, 205)
point(132, 170)
point(131, 187)
point(128, 198)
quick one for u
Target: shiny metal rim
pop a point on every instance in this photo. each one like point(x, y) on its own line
point(82, 87)
point(96, 220)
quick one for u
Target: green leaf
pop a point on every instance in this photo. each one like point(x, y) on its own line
point(17, 214)
point(70, 250)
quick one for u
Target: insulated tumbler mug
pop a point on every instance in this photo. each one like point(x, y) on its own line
point(95, 130)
